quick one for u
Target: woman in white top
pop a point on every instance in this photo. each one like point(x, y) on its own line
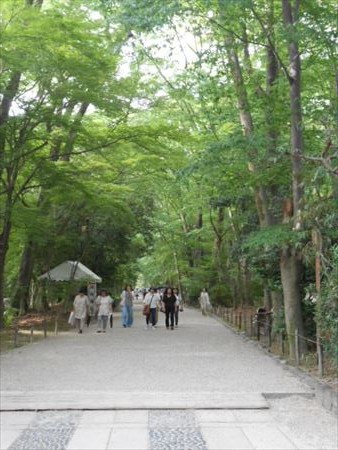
point(80, 306)
point(178, 306)
point(104, 303)
point(152, 299)
point(204, 301)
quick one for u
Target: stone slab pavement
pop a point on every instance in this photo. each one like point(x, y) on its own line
point(197, 387)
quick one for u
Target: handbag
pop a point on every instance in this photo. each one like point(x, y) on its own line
point(146, 308)
point(71, 319)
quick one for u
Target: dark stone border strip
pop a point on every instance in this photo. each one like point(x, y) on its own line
point(174, 430)
point(49, 430)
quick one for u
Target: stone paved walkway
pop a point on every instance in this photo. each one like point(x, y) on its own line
point(201, 361)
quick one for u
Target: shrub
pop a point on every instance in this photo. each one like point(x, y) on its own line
point(9, 315)
point(220, 294)
point(327, 310)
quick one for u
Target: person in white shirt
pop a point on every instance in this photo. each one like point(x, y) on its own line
point(104, 303)
point(152, 299)
point(178, 306)
point(80, 305)
point(204, 301)
point(91, 294)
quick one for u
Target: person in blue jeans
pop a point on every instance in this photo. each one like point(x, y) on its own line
point(104, 303)
point(152, 299)
point(127, 300)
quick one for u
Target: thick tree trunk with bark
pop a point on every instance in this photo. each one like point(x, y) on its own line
point(263, 195)
point(291, 271)
point(291, 260)
point(290, 17)
point(267, 299)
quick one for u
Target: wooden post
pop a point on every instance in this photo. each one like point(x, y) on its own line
point(16, 336)
point(320, 352)
point(269, 334)
point(45, 328)
point(251, 325)
point(240, 321)
point(297, 347)
point(227, 315)
point(236, 320)
point(244, 322)
point(258, 328)
point(56, 325)
point(31, 335)
point(283, 342)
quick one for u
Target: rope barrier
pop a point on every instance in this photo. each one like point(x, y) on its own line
point(261, 327)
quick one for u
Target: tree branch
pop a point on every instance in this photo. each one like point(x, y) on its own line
point(271, 44)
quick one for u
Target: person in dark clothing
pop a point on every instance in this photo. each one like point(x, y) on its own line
point(169, 301)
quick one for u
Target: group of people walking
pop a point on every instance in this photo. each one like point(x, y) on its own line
point(168, 301)
point(84, 309)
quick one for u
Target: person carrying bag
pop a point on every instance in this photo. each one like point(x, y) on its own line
point(151, 301)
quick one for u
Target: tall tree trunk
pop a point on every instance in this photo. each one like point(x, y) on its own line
point(262, 194)
point(5, 106)
point(198, 252)
point(247, 123)
point(291, 271)
point(73, 132)
point(278, 309)
point(21, 296)
point(267, 299)
point(7, 99)
point(334, 177)
point(4, 240)
point(219, 243)
point(272, 72)
point(273, 191)
point(291, 259)
point(246, 283)
point(290, 17)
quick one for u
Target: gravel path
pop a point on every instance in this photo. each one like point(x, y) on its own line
point(200, 355)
